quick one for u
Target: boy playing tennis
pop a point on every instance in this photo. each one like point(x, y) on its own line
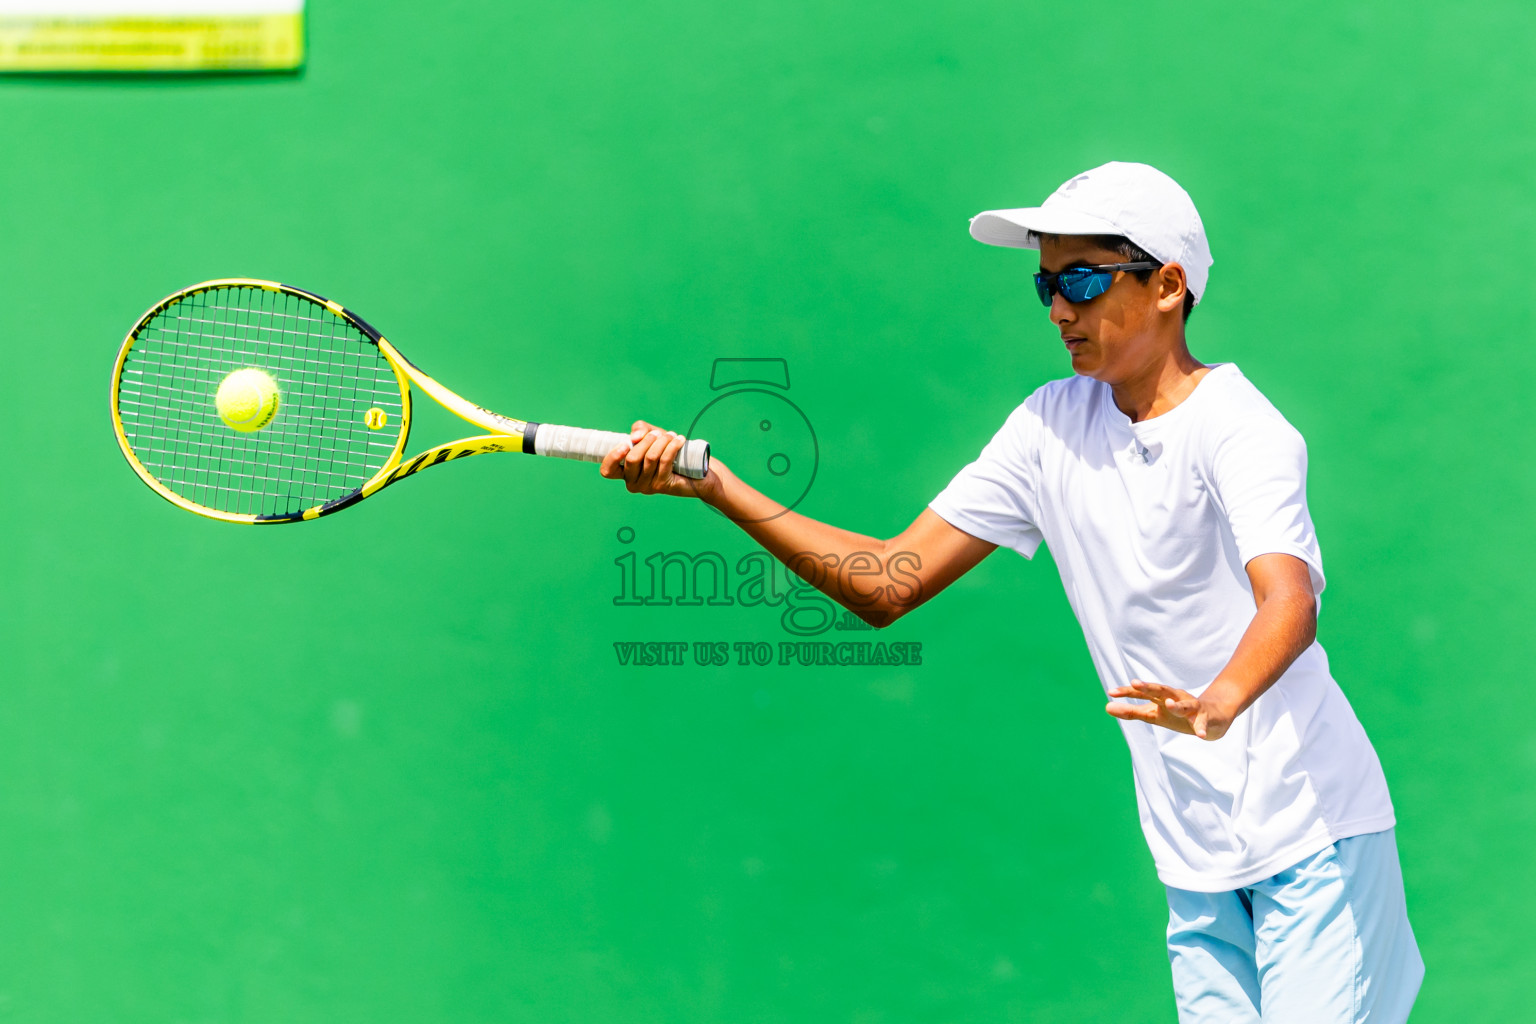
point(1173, 498)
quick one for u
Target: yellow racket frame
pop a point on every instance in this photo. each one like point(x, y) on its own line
point(506, 433)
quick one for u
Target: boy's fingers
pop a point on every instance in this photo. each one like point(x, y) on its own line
point(612, 467)
point(645, 463)
point(648, 466)
point(1182, 708)
point(636, 457)
point(655, 442)
point(634, 465)
point(669, 454)
point(1133, 712)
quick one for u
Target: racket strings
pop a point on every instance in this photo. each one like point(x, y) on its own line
point(318, 447)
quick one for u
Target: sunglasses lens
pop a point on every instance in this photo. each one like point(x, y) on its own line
point(1043, 289)
point(1083, 283)
point(1076, 285)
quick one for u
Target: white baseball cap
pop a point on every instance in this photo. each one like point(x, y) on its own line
point(1140, 202)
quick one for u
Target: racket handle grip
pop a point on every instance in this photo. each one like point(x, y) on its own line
point(593, 445)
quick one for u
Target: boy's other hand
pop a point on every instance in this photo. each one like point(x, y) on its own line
point(1171, 708)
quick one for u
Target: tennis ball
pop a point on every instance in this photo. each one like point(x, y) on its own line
point(247, 399)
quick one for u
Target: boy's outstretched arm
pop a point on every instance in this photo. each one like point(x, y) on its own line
point(877, 580)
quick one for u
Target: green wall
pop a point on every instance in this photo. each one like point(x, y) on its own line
point(387, 767)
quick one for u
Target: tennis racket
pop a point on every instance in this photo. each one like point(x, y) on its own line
point(338, 420)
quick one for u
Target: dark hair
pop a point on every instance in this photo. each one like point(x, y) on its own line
point(1130, 252)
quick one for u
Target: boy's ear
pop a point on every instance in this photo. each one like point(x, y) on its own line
point(1172, 286)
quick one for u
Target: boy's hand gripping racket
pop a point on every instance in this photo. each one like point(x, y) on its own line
point(255, 402)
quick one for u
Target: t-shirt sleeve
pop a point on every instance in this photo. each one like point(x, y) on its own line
point(1260, 474)
point(995, 497)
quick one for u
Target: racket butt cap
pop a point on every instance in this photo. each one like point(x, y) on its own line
point(693, 460)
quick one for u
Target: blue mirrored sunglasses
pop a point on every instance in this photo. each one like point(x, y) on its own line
point(1079, 284)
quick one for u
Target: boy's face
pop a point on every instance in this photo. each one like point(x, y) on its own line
point(1113, 337)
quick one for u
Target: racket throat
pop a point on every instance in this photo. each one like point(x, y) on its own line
point(444, 453)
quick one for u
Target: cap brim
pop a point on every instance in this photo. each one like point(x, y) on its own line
point(1021, 229)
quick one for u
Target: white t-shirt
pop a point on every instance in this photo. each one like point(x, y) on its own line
point(1151, 525)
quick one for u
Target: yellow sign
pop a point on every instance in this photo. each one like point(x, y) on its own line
point(151, 35)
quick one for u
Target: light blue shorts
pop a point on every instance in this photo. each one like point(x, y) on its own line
point(1326, 941)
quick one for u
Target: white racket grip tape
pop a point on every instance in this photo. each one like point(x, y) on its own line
point(594, 445)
